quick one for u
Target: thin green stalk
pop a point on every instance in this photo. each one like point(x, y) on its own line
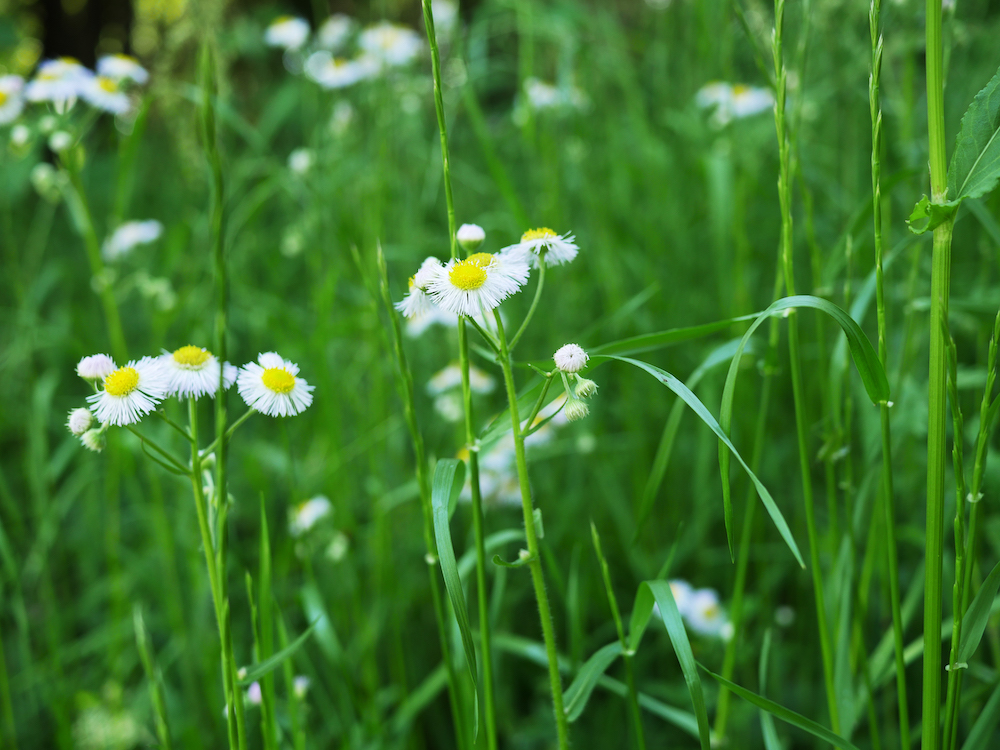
point(9, 731)
point(936, 391)
point(534, 558)
point(423, 482)
point(801, 427)
point(534, 304)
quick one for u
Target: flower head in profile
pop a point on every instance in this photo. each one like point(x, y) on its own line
point(11, 98)
point(336, 72)
point(390, 43)
point(122, 68)
point(193, 372)
point(271, 386)
point(95, 367)
point(417, 301)
point(130, 235)
point(470, 237)
point(479, 283)
point(287, 32)
point(543, 243)
point(105, 94)
point(130, 392)
point(305, 515)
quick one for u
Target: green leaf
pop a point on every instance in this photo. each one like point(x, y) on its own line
point(577, 694)
point(256, 671)
point(767, 728)
point(449, 476)
point(660, 593)
point(518, 563)
point(975, 164)
point(419, 699)
point(650, 341)
point(490, 543)
point(927, 216)
point(785, 714)
point(974, 622)
point(981, 735)
point(865, 359)
point(706, 416)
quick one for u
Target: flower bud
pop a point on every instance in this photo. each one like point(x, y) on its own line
point(585, 388)
point(60, 140)
point(94, 439)
point(80, 420)
point(96, 367)
point(570, 358)
point(576, 410)
point(470, 237)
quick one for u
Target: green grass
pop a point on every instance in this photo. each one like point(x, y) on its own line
point(679, 225)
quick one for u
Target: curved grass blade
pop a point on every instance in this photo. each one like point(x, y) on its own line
point(577, 694)
point(706, 416)
point(785, 714)
point(256, 671)
point(865, 359)
point(660, 593)
point(449, 476)
point(660, 339)
point(975, 164)
point(974, 622)
point(982, 732)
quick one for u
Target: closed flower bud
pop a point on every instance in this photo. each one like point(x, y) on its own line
point(585, 388)
point(571, 358)
point(470, 237)
point(93, 440)
point(576, 410)
point(79, 421)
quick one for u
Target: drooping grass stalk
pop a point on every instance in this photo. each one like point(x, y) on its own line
point(888, 495)
point(936, 391)
point(489, 707)
point(423, 482)
point(802, 430)
point(534, 552)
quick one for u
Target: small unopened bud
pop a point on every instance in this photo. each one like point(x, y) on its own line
point(80, 420)
point(19, 136)
point(60, 140)
point(94, 440)
point(96, 367)
point(523, 555)
point(585, 388)
point(571, 358)
point(241, 673)
point(301, 686)
point(470, 237)
point(48, 124)
point(576, 410)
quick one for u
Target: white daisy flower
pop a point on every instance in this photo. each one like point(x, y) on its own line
point(477, 284)
point(300, 686)
point(570, 358)
point(392, 44)
point(704, 613)
point(541, 95)
point(130, 392)
point(11, 98)
point(105, 94)
point(540, 243)
point(130, 235)
point(470, 237)
point(58, 81)
point(305, 515)
point(95, 367)
point(729, 102)
point(287, 32)
point(751, 100)
point(94, 439)
point(336, 72)
point(451, 377)
point(417, 302)
point(682, 591)
point(122, 68)
point(271, 387)
point(79, 421)
point(335, 31)
point(301, 160)
point(449, 407)
point(193, 372)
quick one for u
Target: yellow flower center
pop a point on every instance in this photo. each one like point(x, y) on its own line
point(482, 260)
point(191, 356)
point(542, 233)
point(412, 282)
point(278, 379)
point(107, 84)
point(468, 274)
point(3, 98)
point(69, 60)
point(282, 19)
point(710, 612)
point(127, 58)
point(122, 381)
point(740, 89)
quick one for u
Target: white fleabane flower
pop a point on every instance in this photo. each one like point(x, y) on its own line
point(58, 81)
point(682, 594)
point(751, 100)
point(95, 367)
point(271, 387)
point(105, 94)
point(122, 68)
point(11, 98)
point(130, 235)
point(94, 439)
point(335, 31)
point(306, 515)
point(130, 392)
point(470, 237)
point(477, 284)
point(287, 32)
point(451, 377)
point(336, 72)
point(79, 421)
point(193, 372)
point(729, 101)
point(570, 358)
point(417, 301)
point(392, 44)
point(704, 613)
point(543, 243)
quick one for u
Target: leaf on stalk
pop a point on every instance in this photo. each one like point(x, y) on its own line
point(975, 164)
point(578, 693)
point(927, 216)
point(974, 622)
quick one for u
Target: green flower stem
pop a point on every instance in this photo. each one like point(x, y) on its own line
point(888, 495)
point(488, 337)
point(535, 563)
point(801, 427)
point(424, 483)
point(489, 706)
point(229, 433)
point(530, 421)
point(936, 392)
point(84, 221)
point(167, 455)
point(534, 304)
point(160, 415)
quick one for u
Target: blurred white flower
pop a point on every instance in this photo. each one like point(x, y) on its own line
point(338, 547)
point(449, 407)
point(79, 421)
point(20, 135)
point(541, 95)
point(287, 32)
point(336, 72)
point(445, 18)
point(301, 160)
point(470, 237)
point(105, 94)
point(704, 613)
point(11, 98)
point(60, 140)
point(335, 31)
point(305, 515)
point(730, 102)
point(300, 686)
point(58, 81)
point(122, 68)
point(130, 235)
point(254, 696)
point(390, 43)
point(451, 377)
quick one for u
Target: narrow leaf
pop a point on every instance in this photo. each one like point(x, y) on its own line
point(767, 728)
point(974, 622)
point(578, 693)
point(981, 735)
point(975, 165)
point(650, 341)
point(256, 671)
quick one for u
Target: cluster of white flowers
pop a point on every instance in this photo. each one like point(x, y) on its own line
point(130, 235)
point(124, 395)
point(540, 95)
point(701, 610)
point(733, 101)
point(64, 80)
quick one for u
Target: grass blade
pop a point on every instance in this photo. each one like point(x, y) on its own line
point(974, 622)
point(578, 693)
point(256, 671)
